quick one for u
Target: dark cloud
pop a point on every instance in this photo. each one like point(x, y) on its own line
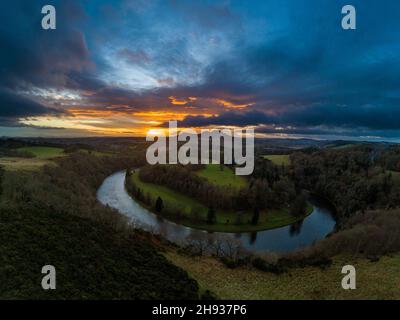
point(14, 106)
point(36, 57)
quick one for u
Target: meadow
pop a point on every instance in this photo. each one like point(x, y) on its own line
point(222, 176)
point(375, 280)
point(280, 160)
point(31, 158)
point(42, 152)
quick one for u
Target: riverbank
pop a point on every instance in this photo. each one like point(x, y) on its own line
point(193, 213)
point(315, 227)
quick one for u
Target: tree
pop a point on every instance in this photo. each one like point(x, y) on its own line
point(1, 179)
point(195, 213)
point(159, 205)
point(211, 217)
point(256, 216)
point(299, 207)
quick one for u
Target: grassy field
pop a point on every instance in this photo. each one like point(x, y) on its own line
point(226, 221)
point(375, 280)
point(222, 176)
point(281, 159)
point(43, 152)
point(43, 156)
point(169, 196)
point(23, 164)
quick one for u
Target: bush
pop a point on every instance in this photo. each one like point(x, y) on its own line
point(316, 260)
point(262, 265)
point(208, 295)
point(232, 263)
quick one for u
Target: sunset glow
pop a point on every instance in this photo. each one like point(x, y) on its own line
point(210, 64)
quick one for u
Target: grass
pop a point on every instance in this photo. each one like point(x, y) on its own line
point(43, 152)
point(23, 164)
point(395, 175)
point(279, 160)
point(179, 200)
point(375, 280)
point(42, 156)
point(222, 176)
point(226, 221)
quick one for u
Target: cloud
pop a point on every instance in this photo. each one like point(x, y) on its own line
point(269, 64)
point(134, 56)
point(13, 106)
point(35, 57)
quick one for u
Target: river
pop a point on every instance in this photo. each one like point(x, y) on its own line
point(313, 228)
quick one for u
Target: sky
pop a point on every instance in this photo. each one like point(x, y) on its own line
point(285, 68)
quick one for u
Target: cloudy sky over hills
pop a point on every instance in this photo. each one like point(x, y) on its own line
point(123, 67)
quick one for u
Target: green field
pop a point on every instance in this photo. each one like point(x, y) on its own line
point(42, 156)
point(226, 221)
point(281, 159)
point(169, 196)
point(43, 152)
point(222, 176)
point(375, 280)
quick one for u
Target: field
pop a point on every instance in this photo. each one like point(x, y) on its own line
point(42, 156)
point(169, 196)
point(375, 280)
point(281, 159)
point(222, 176)
point(225, 221)
point(22, 164)
point(43, 152)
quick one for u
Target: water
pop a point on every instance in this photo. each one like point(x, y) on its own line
point(313, 228)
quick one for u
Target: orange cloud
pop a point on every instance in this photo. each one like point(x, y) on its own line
point(177, 101)
point(230, 105)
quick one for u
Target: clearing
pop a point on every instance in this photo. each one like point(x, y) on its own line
point(43, 152)
point(222, 176)
point(279, 159)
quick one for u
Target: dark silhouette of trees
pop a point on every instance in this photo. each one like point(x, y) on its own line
point(1, 179)
point(211, 216)
point(256, 216)
point(299, 206)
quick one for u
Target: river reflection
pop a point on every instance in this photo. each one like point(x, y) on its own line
point(313, 228)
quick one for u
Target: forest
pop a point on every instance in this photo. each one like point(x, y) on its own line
point(52, 216)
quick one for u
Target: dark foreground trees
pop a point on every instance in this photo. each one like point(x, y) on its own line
point(159, 205)
point(92, 260)
point(256, 216)
point(53, 217)
point(211, 216)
